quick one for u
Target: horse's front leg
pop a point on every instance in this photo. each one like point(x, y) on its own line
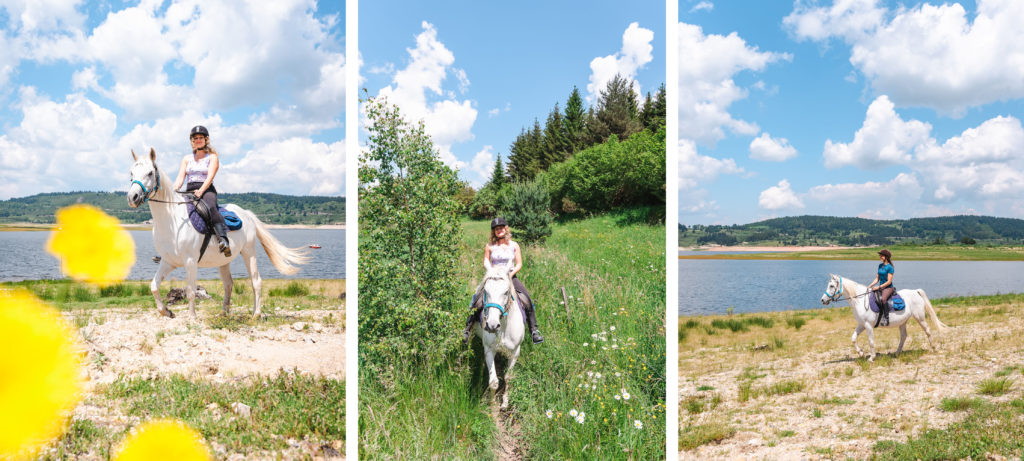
point(191, 273)
point(154, 287)
point(257, 282)
point(229, 284)
point(493, 375)
point(508, 377)
point(856, 333)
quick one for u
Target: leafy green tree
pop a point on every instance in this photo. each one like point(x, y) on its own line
point(408, 232)
point(575, 122)
point(525, 206)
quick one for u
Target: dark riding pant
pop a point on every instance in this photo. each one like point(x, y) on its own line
point(210, 199)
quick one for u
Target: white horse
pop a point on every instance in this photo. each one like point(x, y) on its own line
point(917, 302)
point(502, 329)
point(178, 243)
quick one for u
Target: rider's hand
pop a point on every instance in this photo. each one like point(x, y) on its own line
point(198, 194)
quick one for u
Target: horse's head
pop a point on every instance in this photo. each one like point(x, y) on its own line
point(834, 289)
point(145, 179)
point(496, 298)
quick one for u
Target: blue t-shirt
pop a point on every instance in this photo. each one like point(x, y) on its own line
point(883, 273)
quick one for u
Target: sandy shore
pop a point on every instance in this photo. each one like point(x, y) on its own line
point(761, 249)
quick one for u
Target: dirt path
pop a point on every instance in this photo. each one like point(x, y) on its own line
point(508, 435)
point(141, 344)
point(826, 404)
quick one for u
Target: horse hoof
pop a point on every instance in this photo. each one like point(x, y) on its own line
point(493, 385)
point(167, 313)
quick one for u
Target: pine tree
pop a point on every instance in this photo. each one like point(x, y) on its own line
point(575, 122)
point(555, 147)
point(617, 111)
point(497, 176)
point(653, 114)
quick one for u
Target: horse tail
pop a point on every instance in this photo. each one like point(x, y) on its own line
point(931, 310)
point(283, 258)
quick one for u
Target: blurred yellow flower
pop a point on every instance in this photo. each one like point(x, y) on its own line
point(40, 373)
point(92, 245)
point(163, 439)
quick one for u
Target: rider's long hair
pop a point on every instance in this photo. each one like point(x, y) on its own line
point(208, 148)
point(508, 235)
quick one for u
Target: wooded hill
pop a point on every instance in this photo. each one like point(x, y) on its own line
point(270, 208)
point(828, 230)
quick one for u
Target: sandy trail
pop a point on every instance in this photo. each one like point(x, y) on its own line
point(141, 344)
point(846, 405)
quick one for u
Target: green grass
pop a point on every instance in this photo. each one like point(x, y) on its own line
point(989, 428)
point(81, 438)
point(951, 404)
point(285, 406)
point(742, 324)
point(615, 274)
point(995, 386)
point(691, 437)
point(292, 289)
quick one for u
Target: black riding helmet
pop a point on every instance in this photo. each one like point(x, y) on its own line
point(499, 221)
point(199, 129)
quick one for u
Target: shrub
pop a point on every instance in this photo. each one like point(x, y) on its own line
point(525, 207)
point(119, 290)
point(408, 231)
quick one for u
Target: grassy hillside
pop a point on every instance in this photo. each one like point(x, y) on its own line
point(615, 276)
point(271, 208)
point(831, 230)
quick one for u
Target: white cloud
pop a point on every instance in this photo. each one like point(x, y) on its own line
point(927, 55)
point(448, 121)
point(770, 149)
point(292, 166)
point(696, 169)
point(779, 197)
point(636, 52)
point(483, 165)
point(884, 139)
point(703, 6)
point(707, 65)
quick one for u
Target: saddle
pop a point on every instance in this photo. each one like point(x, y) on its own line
point(199, 216)
point(895, 303)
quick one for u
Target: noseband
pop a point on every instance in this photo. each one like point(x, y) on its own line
point(147, 193)
point(839, 291)
point(499, 307)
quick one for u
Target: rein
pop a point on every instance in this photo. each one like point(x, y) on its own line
point(499, 307)
point(836, 296)
point(147, 193)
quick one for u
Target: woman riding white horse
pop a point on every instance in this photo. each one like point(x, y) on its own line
point(199, 168)
point(178, 243)
point(918, 307)
point(501, 330)
point(502, 251)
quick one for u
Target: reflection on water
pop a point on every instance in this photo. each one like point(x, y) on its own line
point(24, 257)
point(710, 286)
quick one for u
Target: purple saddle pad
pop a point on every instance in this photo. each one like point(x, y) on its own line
point(200, 225)
point(896, 303)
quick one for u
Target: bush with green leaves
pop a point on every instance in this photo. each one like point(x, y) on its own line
point(525, 206)
point(408, 231)
point(610, 175)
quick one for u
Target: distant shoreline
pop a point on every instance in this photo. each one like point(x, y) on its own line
point(762, 249)
point(23, 227)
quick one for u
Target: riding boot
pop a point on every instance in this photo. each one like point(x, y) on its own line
point(469, 325)
point(221, 230)
point(885, 313)
point(531, 321)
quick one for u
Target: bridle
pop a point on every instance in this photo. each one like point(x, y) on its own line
point(147, 193)
point(837, 296)
point(499, 307)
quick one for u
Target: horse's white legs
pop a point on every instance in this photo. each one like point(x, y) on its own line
point(508, 377)
point(191, 273)
point(229, 284)
point(923, 321)
point(903, 337)
point(492, 374)
point(154, 287)
point(257, 282)
point(856, 333)
point(871, 343)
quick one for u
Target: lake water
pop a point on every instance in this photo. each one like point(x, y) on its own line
point(710, 286)
point(24, 256)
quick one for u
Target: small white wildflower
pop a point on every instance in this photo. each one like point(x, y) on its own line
point(573, 412)
point(615, 346)
point(625, 395)
point(590, 374)
point(637, 424)
point(612, 328)
point(581, 417)
point(618, 397)
point(586, 344)
point(550, 414)
point(593, 362)
point(598, 375)
point(617, 374)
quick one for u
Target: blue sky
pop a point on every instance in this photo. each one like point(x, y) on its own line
point(83, 83)
point(478, 72)
point(850, 108)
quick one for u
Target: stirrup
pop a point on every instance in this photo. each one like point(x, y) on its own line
point(225, 248)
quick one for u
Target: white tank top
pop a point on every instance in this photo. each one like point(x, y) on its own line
point(503, 255)
point(197, 171)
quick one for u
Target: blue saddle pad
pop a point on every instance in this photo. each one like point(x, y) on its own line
point(896, 303)
point(230, 218)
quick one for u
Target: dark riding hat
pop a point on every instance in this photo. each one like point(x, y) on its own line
point(886, 254)
point(497, 222)
point(199, 129)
